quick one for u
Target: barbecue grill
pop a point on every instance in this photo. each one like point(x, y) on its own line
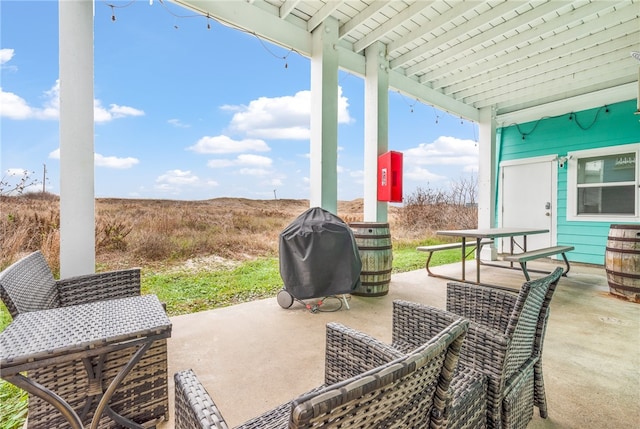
point(318, 258)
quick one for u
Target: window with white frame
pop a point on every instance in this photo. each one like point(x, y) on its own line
point(603, 184)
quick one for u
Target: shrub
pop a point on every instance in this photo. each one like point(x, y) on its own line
point(427, 209)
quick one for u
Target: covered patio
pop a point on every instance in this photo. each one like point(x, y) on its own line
point(494, 63)
point(254, 356)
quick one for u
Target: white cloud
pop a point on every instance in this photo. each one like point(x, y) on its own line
point(105, 161)
point(101, 114)
point(420, 174)
point(470, 168)
point(248, 159)
point(114, 162)
point(6, 55)
point(123, 111)
point(286, 117)
point(260, 172)
point(178, 123)
point(177, 177)
point(51, 105)
point(224, 144)
point(221, 163)
point(241, 160)
point(173, 181)
point(16, 181)
point(444, 151)
point(16, 171)
point(357, 176)
point(15, 107)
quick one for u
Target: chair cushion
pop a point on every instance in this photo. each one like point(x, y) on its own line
point(28, 285)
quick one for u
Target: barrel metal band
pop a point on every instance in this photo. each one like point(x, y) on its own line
point(623, 287)
point(380, 283)
point(371, 237)
point(626, 239)
point(616, 250)
point(626, 275)
point(375, 272)
point(375, 248)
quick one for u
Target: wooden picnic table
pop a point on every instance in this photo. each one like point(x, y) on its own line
point(481, 234)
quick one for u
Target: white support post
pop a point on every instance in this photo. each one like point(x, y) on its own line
point(77, 213)
point(376, 128)
point(324, 117)
point(487, 176)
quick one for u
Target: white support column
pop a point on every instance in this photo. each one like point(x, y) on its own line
point(324, 117)
point(376, 128)
point(487, 176)
point(77, 213)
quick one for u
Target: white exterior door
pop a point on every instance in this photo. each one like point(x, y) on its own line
point(528, 199)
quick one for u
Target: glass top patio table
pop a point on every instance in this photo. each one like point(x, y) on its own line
point(483, 233)
point(40, 338)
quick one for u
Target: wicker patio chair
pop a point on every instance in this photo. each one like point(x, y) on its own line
point(467, 404)
point(28, 285)
point(504, 341)
point(407, 391)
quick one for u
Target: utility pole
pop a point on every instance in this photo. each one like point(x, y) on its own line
point(44, 177)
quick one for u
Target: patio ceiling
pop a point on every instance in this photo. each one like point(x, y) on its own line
point(518, 57)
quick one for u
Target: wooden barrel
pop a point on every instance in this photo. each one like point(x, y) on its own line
point(622, 261)
point(374, 245)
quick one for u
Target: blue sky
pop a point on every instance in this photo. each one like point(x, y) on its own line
point(187, 112)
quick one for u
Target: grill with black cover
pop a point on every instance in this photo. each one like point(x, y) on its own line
point(318, 257)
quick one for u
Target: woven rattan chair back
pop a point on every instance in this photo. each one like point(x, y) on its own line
point(408, 392)
point(540, 394)
point(525, 319)
point(28, 285)
point(505, 343)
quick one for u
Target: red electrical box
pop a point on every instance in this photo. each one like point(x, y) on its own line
point(390, 177)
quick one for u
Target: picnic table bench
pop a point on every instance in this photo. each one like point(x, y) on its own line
point(523, 258)
point(484, 237)
point(448, 246)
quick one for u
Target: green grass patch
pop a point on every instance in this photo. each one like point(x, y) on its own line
point(188, 292)
point(13, 401)
point(407, 258)
point(14, 406)
point(411, 259)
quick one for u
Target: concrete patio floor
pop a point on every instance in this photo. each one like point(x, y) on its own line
point(254, 356)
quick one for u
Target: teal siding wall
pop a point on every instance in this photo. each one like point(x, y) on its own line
point(589, 129)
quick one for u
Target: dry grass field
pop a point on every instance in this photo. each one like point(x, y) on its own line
point(156, 233)
point(160, 234)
